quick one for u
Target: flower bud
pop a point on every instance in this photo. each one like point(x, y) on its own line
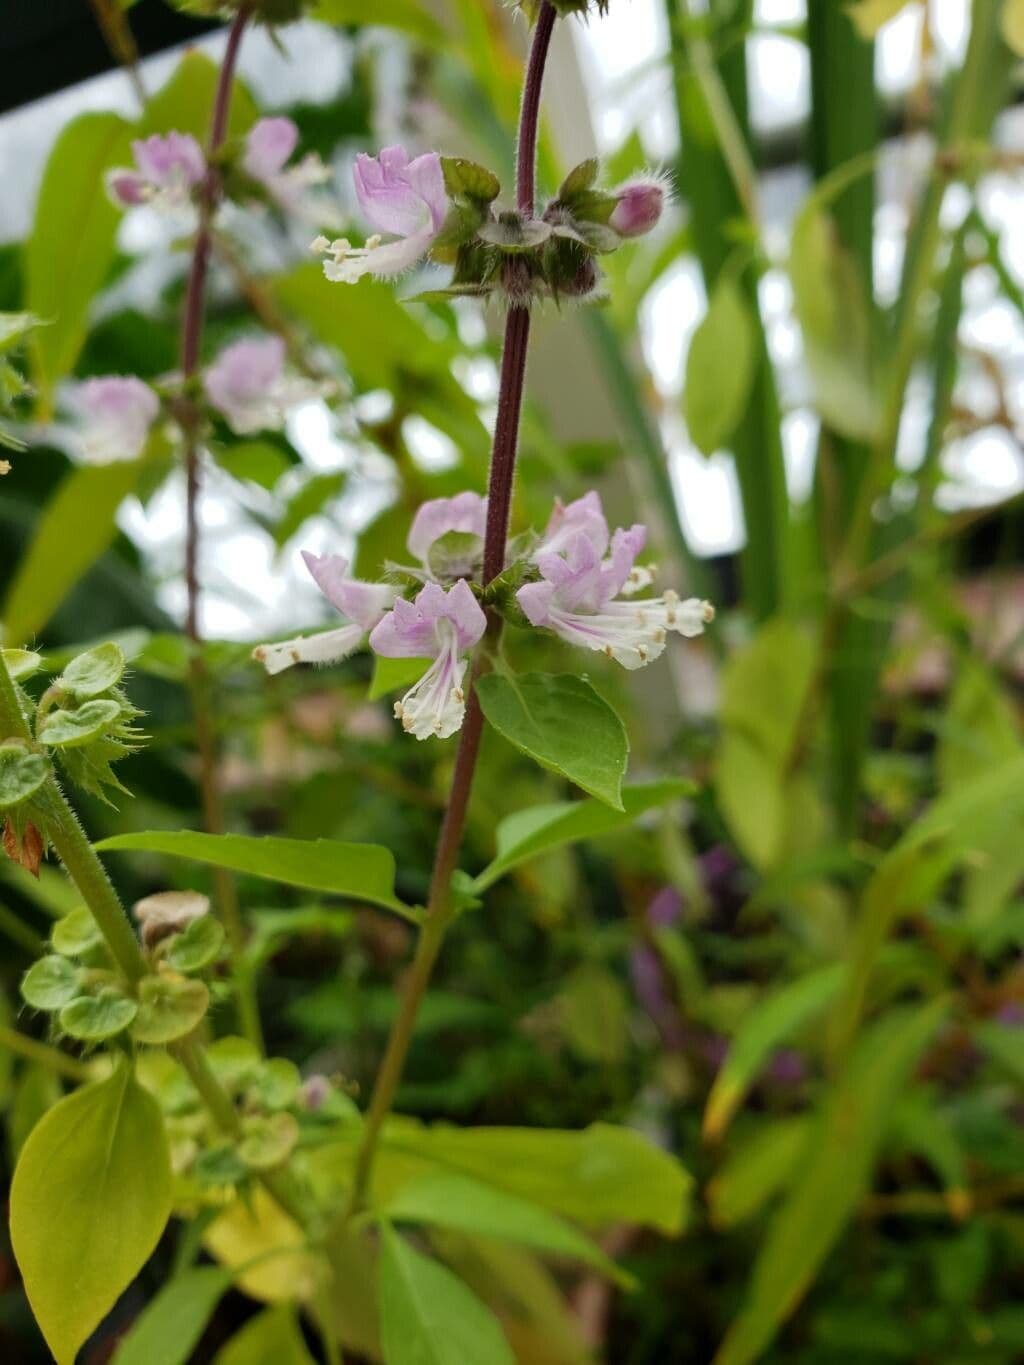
point(638, 206)
point(168, 912)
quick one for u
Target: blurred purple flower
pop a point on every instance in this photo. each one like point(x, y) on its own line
point(249, 387)
point(116, 412)
point(268, 147)
point(168, 168)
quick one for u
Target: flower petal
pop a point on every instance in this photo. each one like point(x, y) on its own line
point(329, 647)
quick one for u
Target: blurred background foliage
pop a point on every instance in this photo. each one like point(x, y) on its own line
point(805, 980)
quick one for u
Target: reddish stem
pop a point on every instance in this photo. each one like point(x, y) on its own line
point(503, 459)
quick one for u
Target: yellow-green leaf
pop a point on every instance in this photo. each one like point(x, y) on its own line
point(90, 1198)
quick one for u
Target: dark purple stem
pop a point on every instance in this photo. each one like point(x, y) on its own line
point(191, 340)
point(503, 460)
point(192, 321)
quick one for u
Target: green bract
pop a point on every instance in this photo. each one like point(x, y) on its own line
point(198, 944)
point(94, 1018)
point(70, 729)
point(76, 933)
point(50, 983)
point(169, 1007)
point(95, 671)
point(22, 774)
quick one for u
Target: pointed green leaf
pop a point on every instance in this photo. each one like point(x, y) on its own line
point(448, 1200)
point(835, 1175)
point(429, 1317)
point(184, 103)
point(90, 1198)
point(768, 1024)
point(170, 1325)
point(363, 871)
point(272, 1337)
point(71, 245)
point(720, 367)
point(562, 723)
point(539, 829)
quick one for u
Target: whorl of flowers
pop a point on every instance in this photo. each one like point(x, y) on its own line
point(578, 580)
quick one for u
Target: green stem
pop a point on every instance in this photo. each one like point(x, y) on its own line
point(35, 1051)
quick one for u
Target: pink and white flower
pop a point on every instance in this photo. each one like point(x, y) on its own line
point(117, 413)
point(249, 387)
point(437, 625)
point(363, 603)
point(168, 169)
point(584, 576)
point(465, 513)
point(268, 148)
point(398, 195)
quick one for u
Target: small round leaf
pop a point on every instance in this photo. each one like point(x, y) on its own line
point(69, 729)
point(268, 1141)
point(76, 933)
point(169, 1007)
point(92, 1018)
point(196, 946)
point(50, 983)
point(94, 672)
point(277, 1084)
point(220, 1166)
point(235, 1062)
point(21, 663)
point(22, 773)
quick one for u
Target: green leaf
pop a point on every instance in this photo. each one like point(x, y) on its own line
point(258, 461)
point(720, 366)
point(447, 1200)
point(872, 15)
point(580, 179)
point(169, 1008)
point(21, 663)
point(270, 1338)
point(71, 245)
point(50, 983)
point(185, 103)
point(15, 327)
point(764, 1027)
point(95, 671)
point(268, 1141)
point(69, 729)
point(429, 1317)
point(1011, 23)
point(835, 1175)
point(594, 1014)
point(75, 933)
point(466, 179)
point(394, 675)
point(1005, 1046)
point(408, 16)
point(90, 1198)
point(171, 1324)
point(763, 689)
point(562, 723)
point(366, 872)
point(74, 529)
point(94, 1018)
point(830, 304)
point(198, 944)
point(539, 829)
point(756, 1171)
point(600, 1175)
point(22, 774)
point(911, 872)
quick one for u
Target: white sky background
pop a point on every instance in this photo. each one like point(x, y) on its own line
point(629, 86)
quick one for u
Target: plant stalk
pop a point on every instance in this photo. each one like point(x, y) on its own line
point(503, 458)
point(225, 890)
